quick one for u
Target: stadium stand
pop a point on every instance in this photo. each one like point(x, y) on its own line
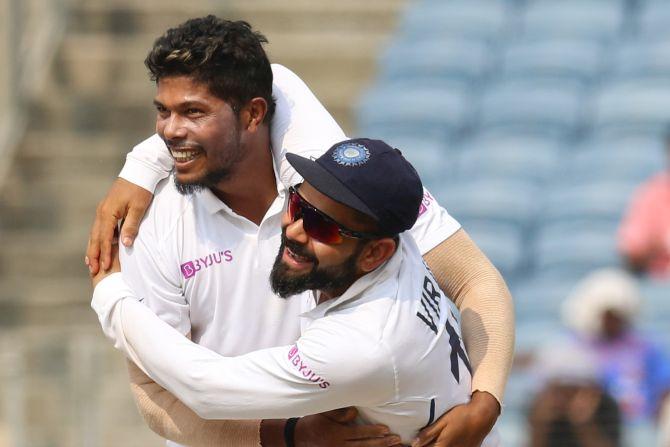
point(560, 114)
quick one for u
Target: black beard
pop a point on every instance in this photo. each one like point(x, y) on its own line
point(334, 278)
point(211, 180)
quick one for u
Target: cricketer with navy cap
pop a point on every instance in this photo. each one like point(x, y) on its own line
point(377, 332)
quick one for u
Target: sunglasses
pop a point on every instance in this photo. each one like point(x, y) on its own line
point(317, 225)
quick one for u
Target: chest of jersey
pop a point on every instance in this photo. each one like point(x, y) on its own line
point(225, 261)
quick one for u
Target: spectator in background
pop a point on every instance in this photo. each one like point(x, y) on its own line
point(601, 311)
point(644, 234)
point(572, 409)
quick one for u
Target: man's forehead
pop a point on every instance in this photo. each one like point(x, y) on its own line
point(185, 87)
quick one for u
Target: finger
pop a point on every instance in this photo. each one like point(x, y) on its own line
point(93, 250)
point(428, 435)
point(116, 263)
point(106, 238)
point(342, 415)
point(368, 431)
point(386, 441)
point(131, 226)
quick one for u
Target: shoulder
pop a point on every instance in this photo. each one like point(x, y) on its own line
point(167, 209)
point(351, 349)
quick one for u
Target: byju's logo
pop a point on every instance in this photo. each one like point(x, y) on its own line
point(426, 202)
point(190, 268)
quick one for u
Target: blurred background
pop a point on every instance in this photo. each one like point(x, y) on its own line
point(534, 122)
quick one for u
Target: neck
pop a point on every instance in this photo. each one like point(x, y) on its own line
point(330, 294)
point(252, 187)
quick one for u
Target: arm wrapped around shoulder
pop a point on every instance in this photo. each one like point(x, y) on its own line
point(487, 313)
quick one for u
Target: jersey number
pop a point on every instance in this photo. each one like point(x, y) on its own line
point(430, 301)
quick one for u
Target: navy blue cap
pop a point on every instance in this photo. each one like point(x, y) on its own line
point(369, 176)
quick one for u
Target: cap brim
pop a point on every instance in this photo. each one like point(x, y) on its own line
point(327, 184)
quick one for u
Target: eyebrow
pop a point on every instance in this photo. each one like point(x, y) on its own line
point(183, 105)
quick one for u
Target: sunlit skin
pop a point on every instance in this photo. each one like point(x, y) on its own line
point(222, 145)
point(372, 256)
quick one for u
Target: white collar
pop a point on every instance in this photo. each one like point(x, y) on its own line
point(357, 291)
point(213, 204)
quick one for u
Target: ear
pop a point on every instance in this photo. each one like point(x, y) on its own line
point(253, 114)
point(375, 254)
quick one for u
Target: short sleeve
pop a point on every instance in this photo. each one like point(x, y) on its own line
point(434, 224)
point(148, 163)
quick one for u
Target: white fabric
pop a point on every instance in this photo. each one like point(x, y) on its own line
point(600, 291)
point(384, 346)
point(203, 269)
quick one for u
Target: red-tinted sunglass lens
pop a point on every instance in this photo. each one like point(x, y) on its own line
point(294, 206)
point(319, 228)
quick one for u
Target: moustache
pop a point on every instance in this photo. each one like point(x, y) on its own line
point(298, 249)
point(182, 145)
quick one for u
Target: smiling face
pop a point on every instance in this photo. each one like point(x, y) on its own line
point(304, 263)
point(201, 131)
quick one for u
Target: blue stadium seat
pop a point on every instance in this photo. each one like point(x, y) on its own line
point(502, 244)
point(656, 301)
point(571, 250)
point(508, 156)
point(580, 200)
point(591, 19)
point(548, 109)
point(411, 109)
point(487, 19)
point(540, 297)
point(512, 422)
point(633, 106)
point(494, 200)
point(643, 58)
point(630, 160)
point(434, 60)
point(653, 19)
point(559, 58)
point(532, 334)
point(431, 158)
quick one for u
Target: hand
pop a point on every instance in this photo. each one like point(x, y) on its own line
point(464, 425)
point(336, 429)
point(124, 200)
point(114, 268)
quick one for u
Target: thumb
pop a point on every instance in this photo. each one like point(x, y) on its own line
point(131, 226)
point(342, 415)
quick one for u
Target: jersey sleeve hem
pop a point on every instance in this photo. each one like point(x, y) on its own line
point(142, 174)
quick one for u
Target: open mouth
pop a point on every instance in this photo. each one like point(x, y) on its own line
point(297, 259)
point(185, 155)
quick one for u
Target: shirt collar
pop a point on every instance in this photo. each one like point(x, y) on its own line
point(213, 204)
point(358, 289)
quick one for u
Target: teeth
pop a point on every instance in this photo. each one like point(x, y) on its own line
point(183, 156)
point(297, 257)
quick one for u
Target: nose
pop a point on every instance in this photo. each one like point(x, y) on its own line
point(171, 127)
point(295, 230)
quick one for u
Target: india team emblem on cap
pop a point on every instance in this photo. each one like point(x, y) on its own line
point(351, 154)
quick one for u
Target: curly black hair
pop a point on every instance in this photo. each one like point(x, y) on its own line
point(226, 56)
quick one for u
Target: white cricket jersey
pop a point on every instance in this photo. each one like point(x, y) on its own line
point(390, 345)
point(204, 269)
